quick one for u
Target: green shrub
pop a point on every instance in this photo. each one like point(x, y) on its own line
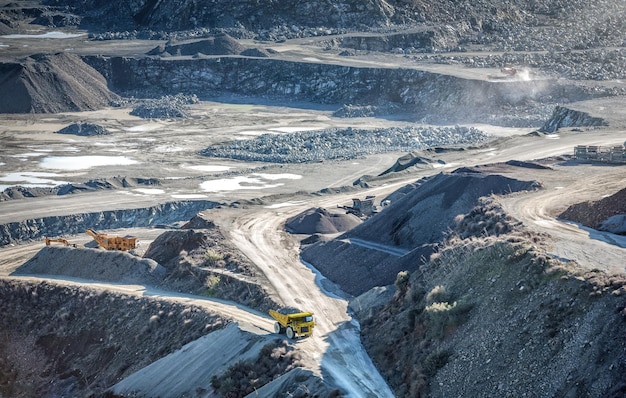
point(402, 280)
point(212, 258)
point(212, 283)
point(444, 317)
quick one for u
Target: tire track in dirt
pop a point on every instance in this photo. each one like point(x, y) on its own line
point(538, 210)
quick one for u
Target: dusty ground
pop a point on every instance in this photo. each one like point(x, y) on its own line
point(263, 197)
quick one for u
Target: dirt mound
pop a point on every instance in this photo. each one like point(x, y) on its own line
point(424, 214)
point(221, 44)
point(406, 161)
point(51, 84)
point(93, 264)
point(256, 52)
point(167, 248)
point(606, 214)
point(84, 129)
point(405, 234)
point(199, 222)
point(321, 221)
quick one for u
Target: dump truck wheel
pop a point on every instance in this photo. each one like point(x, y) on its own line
point(277, 328)
point(290, 333)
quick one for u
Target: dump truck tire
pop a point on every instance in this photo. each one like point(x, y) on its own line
point(290, 333)
point(277, 328)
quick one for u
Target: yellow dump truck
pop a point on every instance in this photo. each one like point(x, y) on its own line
point(294, 324)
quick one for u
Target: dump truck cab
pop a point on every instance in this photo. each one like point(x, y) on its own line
point(294, 324)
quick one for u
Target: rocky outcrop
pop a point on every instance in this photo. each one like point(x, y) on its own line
point(77, 223)
point(565, 117)
point(189, 14)
point(20, 192)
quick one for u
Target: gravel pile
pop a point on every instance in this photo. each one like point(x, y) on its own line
point(311, 146)
point(84, 129)
point(168, 106)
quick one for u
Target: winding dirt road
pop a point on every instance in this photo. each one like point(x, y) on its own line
point(334, 348)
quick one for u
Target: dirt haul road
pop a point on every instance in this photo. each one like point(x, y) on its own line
point(334, 348)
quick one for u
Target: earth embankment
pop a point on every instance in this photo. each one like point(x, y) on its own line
point(78, 341)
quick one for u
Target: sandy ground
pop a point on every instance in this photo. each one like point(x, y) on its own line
point(168, 150)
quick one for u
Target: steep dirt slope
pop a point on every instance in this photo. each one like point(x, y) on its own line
point(496, 317)
point(52, 83)
point(78, 342)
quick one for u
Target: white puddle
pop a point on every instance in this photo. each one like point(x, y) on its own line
point(284, 204)
point(167, 149)
point(32, 179)
point(235, 183)
point(49, 35)
point(28, 155)
point(209, 168)
point(145, 127)
point(260, 181)
point(83, 162)
point(274, 177)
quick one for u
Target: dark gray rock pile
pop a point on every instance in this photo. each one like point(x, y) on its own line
point(84, 129)
point(221, 44)
point(564, 117)
point(169, 106)
point(311, 146)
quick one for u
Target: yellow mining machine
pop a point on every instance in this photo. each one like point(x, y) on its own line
point(294, 324)
point(59, 240)
point(113, 242)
